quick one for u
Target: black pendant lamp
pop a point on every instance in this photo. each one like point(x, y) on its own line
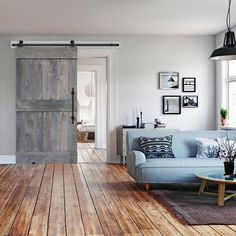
point(228, 51)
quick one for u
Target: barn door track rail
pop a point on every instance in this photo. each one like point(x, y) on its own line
point(72, 43)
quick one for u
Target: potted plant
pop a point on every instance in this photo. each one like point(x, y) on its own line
point(228, 151)
point(223, 115)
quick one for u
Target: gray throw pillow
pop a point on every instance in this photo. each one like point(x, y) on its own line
point(158, 147)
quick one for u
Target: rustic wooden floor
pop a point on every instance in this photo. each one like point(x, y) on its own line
point(87, 153)
point(89, 198)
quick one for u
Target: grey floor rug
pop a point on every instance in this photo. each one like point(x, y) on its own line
point(193, 209)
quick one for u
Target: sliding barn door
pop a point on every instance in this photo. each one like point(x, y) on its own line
point(45, 78)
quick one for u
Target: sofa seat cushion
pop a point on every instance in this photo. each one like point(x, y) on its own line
point(181, 162)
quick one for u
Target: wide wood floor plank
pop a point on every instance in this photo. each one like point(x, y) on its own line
point(101, 157)
point(39, 223)
point(123, 218)
point(138, 216)
point(80, 157)
point(108, 222)
point(99, 152)
point(22, 221)
point(121, 172)
point(9, 181)
point(90, 219)
point(205, 230)
point(13, 204)
point(3, 168)
point(150, 211)
point(85, 199)
point(85, 155)
point(145, 200)
point(74, 224)
point(233, 227)
point(57, 225)
point(223, 230)
point(92, 155)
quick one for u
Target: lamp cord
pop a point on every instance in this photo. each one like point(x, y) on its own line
point(228, 16)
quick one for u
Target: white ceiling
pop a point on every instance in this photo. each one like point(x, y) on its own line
point(112, 17)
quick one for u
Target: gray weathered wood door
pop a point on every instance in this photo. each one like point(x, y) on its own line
point(44, 81)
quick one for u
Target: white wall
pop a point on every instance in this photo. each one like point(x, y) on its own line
point(139, 60)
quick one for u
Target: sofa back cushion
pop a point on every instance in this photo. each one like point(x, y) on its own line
point(183, 142)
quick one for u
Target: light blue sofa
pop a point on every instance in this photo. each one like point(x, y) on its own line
point(181, 169)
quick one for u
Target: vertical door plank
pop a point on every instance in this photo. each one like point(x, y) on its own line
point(10, 210)
point(28, 79)
point(29, 131)
point(55, 86)
point(91, 222)
point(74, 224)
point(39, 223)
point(22, 221)
point(57, 209)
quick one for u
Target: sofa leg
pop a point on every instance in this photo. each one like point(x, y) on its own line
point(147, 186)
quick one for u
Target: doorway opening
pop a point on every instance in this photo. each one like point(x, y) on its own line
point(91, 110)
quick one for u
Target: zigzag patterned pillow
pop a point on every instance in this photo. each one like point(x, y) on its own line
point(160, 147)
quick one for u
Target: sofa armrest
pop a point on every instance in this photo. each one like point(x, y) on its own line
point(134, 158)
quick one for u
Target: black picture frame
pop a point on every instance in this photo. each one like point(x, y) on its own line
point(190, 101)
point(171, 105)
point(189, 84)
point(169, 80)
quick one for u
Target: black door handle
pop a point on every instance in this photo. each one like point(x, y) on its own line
point(73, 105)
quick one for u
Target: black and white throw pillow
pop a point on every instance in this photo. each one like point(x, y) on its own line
point(158, 147)
point(207, 148)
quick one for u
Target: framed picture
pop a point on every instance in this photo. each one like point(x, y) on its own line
point(190, 101)
point(169, 80)
point(171, 105)
point(189, 84)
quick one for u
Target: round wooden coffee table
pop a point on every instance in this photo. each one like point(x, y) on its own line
point(221, 180)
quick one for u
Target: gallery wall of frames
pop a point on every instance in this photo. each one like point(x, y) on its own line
point(172, 104)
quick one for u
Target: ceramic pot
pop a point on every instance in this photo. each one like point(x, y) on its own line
point(224, 122)
point(229, 167)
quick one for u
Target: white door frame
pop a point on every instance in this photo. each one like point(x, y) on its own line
point(109, 54)
point(98, 65)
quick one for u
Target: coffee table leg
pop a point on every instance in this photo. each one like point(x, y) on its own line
point(203, 185)
point(221, 194)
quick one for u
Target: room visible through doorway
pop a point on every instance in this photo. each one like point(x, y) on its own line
point(91, 110)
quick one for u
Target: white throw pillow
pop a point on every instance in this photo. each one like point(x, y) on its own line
point(207, 148)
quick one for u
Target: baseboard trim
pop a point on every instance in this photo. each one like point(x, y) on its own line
point(7, 159)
